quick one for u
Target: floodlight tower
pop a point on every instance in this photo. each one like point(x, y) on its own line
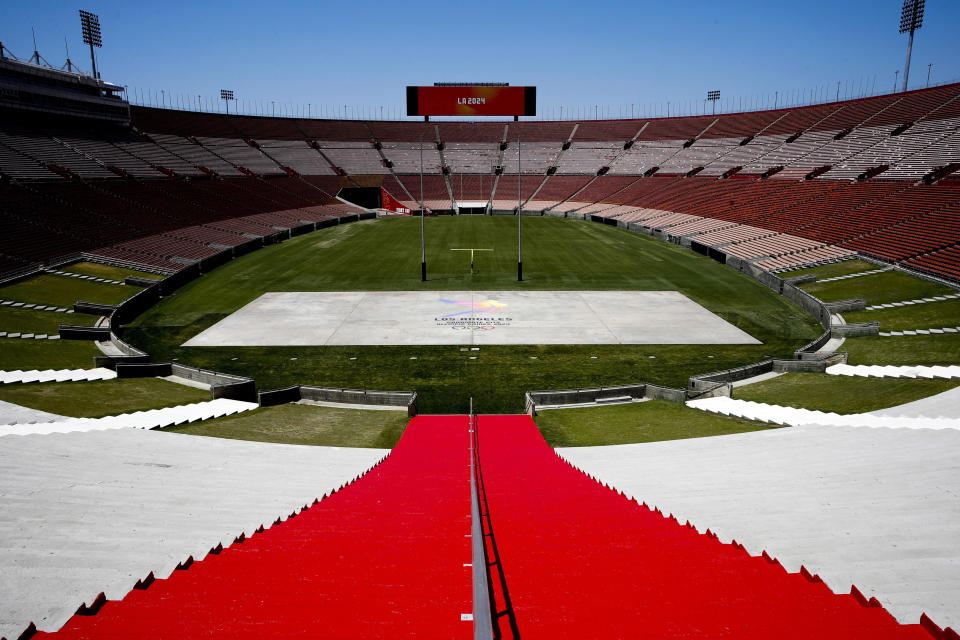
point(911, 19)
point(226, 95)
point(713, 96)
point(90, 27)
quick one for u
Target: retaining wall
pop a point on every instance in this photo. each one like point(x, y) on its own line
point(707, 380)
point(81, 332)
point(95, 308)
point(636, 391)
point(804, 279)
point(812, 347)
point(810, 366)
point(362, 396)
point(855, 329)
point(839, 306)
point(143, 369)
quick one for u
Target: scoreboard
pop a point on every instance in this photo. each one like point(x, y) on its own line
point(471, 100)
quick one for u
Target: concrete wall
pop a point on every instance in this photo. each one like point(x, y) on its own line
point(245, 391)
point(271, 397)
point(804, 279)
point(855, 329)
point(598, 394)
point(361, 396)
point(583, 396)
point(839, 306)
point(671, 394)
point(708, 380)
point(808, 303)
point(143, 369)
point(814, 346)
point(80, 332)
point(95, 308)
point(809, 366)
point(137, 281)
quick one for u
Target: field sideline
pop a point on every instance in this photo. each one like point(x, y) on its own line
point(558, 255)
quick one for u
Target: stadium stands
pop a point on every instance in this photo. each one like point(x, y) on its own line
point(854, 176)
point(399, 533)
point(790, 491)
point(594, 563)
point(139, 502)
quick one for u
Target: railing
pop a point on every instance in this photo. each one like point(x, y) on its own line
point(482, 615)
point(830, 92)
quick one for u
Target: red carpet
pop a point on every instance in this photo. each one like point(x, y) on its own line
point(579, 560)
point(382, 558)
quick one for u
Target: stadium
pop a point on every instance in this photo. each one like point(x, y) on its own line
point(476, 367)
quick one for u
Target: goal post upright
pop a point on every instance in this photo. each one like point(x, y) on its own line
point(519, 218)
point(423, 214)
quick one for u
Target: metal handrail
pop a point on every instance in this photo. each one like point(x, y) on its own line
point(482, 619)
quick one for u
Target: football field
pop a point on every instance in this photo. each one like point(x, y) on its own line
point(597, 306)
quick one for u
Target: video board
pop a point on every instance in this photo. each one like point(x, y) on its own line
point(471, 100)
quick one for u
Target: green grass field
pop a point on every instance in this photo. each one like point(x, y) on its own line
point(649, 421)
point(30, 321)
point(906, 350)
point(64, 291)
point(880, 288)
point(100, 398)
point(833, 269)
point(558, 255)
point(840, 394)
point(928, 315)
point(109, 272)
point(46, 354)
point(305, 424)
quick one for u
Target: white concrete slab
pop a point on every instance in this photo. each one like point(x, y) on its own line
point(151, 419)
point(945, 404)
point(468, 317)
point(11, 413)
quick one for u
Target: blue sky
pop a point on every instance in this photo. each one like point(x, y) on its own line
point(578, 54)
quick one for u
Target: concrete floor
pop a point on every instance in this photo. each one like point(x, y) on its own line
point(468, 317)
point(89, 512)
point(11, 413)
point(945, 404)
point(875, 508)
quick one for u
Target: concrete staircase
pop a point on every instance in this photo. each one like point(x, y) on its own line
point(56, 375)
point(150, 419)
point(875, 508)
point(85, 513)
point(890, 371)
point(792, 416)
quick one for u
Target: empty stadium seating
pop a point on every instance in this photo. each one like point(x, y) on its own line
point(176, 182)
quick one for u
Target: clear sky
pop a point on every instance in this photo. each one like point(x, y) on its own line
point(578, 54)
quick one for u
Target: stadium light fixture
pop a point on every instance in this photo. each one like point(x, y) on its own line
point(90, 28)
point(227, 95)
point(713, 96)
point(911, 19)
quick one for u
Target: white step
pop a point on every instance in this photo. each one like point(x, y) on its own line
point(56, 375)
point(792, 416)
point(151, 419)
point(892, 371)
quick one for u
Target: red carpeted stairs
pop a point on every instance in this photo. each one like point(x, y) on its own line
point(382, 558)
point(571, 558)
